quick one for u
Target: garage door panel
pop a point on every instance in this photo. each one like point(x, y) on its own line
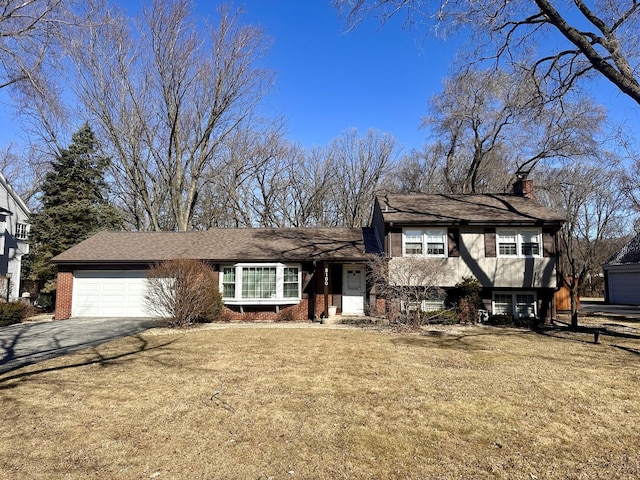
point(109, 294)
point(623, 288)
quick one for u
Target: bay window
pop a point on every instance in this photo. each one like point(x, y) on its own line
point(430, 243)
point(260, 284)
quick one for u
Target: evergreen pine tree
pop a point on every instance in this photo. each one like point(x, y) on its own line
point(74, 206)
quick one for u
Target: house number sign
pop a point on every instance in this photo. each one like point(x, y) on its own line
point(326, 276)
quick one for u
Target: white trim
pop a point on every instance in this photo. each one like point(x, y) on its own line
point(14, 195)
point(424, 233)
point(518, 233)
point(278, 299)
point(514, 301)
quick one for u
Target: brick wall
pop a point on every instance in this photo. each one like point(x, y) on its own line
point(64, 292)
point(296, 313)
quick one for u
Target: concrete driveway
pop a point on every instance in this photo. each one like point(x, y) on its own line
point(28, 343)
point(597, 306)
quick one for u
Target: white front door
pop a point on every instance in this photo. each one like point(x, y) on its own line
point(353, 289)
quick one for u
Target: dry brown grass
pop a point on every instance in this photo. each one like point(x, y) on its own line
point(313, 403)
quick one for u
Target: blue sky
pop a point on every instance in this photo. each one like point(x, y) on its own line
point(329, 80)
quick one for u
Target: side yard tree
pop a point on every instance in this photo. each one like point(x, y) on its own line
point(594, 205)
point(29, 30)
point(75, 205)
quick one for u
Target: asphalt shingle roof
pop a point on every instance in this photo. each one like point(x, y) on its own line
point(628, 254)
point(224, 244)
point(480, 209)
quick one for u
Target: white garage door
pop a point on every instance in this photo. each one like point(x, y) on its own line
point(109, 294)
point(624, 287)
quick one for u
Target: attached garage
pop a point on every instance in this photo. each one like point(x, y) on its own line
point(105, 275)
point(117, 293)
point(622, 275)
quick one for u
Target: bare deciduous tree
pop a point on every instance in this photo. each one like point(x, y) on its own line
point(24, 170)
point(29, 29)
point(595, 209)
point(404, 283)
point(360, 164)
point(560, 42)
point(417, 172)
point(166, 98)
point(489, 125)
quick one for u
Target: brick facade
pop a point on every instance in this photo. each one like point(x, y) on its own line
point(64, 294)
point(311, 306)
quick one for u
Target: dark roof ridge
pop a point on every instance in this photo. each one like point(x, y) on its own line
point(629, 253)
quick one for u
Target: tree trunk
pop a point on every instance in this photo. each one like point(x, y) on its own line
point(573, 294)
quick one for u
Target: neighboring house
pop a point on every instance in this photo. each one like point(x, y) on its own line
point(14, 224)
point(622, 275)
point(507, 242)
point(261, 271)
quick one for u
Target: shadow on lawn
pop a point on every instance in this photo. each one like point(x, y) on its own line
point(449, 340)
point(28, 343)
point(104, 360)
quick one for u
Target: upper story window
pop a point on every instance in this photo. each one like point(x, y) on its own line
point(431, 243)
point(518, 243)
point(261, 283)
point(22, 231)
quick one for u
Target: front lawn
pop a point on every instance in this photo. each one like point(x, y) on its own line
point(315, 403)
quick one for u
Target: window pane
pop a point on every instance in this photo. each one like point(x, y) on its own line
point(502, 304)
point(413, 248)
point(432, 305)
point(435, 248)
point(258, 282)
point(413, 236)
point(413, 242)
point(508, 249)
point(525, 305)
point(530, 243)
point(435, 242)
point(22, 231)
point(229, 282)
point(290, 287)
point(530, 249)
point(507, 242)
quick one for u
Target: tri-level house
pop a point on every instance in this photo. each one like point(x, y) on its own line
point(14, 224)
point(507, 242)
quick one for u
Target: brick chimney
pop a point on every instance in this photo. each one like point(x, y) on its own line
point(523, 187)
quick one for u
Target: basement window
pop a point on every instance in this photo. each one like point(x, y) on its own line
point(518, 304)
